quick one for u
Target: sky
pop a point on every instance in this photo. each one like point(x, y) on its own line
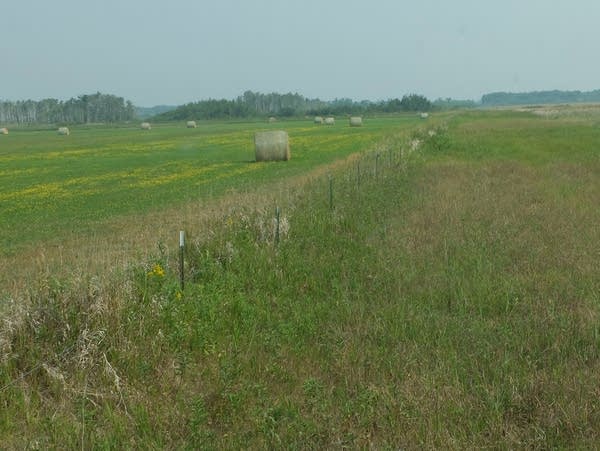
point(178, 51)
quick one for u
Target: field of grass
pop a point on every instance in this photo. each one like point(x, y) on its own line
point(445, 295)
point(52, 184)
point(96, 190)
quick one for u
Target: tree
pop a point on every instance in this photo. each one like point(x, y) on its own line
point(83, 109)
point(415, 102)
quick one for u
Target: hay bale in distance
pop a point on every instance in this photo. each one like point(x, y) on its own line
point(191, 124)
point(64, 131)
point(272, 146)
point(424, 115)
point(146, 126)
point(272, 119)
point(356, 121)
point(3, 131)
point(329, 121)
point(318, 120)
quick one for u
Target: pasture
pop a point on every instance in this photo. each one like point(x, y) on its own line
point(95, 186)
point(440, 295)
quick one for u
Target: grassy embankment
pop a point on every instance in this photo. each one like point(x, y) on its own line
point(452, 301)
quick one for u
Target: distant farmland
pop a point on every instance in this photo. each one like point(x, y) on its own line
point(53, 186)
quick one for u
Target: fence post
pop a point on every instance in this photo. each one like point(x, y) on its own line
point(330, 192)
point(277, 214)
point(181, 248)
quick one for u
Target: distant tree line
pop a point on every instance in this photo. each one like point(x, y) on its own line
point(539, 97)
point(254, 104)
point(453, 104)
point(146, 112)
point(80, 110)
point(408, 103)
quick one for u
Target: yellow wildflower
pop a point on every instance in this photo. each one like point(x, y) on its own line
point(157, 271)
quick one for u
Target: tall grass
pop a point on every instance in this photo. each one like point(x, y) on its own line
point(449, 299)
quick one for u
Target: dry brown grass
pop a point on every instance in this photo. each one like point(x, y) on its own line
point(518, 247)
point(546, 238)
point(573, 112)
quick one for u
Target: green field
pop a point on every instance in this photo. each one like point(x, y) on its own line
point(443, 295)
point(54, 186)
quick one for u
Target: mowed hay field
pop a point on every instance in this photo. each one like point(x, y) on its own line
point(113, 191)
point(438, 290)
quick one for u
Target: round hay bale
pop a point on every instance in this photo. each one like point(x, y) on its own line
point(318, 120)
point(146, 126)
point(424, 115)
point(356, 121)
point(329, 121)
point(4, 131)
point(272, 146)
point(191, 124)
point(64, 131)
point(272, 119)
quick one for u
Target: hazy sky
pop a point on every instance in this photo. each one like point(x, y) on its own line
point(178, 51)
